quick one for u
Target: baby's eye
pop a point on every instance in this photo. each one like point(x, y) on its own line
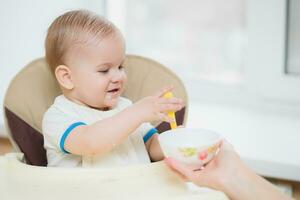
point(103, 71)
point(121, 67)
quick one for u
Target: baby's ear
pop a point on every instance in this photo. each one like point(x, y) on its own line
point(63, 76)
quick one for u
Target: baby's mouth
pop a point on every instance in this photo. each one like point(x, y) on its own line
point(113, 91)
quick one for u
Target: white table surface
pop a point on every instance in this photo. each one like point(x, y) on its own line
point(144, 181)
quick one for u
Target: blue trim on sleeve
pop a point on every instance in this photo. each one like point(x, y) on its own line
point(149, 134)
point(66, 133)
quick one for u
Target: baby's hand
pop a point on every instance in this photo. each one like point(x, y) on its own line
point(155, 107)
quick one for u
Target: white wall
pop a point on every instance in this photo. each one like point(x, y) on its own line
point(23, 30)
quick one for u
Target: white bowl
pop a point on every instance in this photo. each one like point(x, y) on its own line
point(190, 146)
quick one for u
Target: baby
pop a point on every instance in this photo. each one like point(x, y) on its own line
point(90, 123)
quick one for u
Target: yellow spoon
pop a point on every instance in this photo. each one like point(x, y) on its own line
point(171, 113)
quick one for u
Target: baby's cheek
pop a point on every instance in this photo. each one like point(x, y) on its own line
point(124, 78)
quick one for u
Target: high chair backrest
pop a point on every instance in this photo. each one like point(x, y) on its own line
point(34, 88)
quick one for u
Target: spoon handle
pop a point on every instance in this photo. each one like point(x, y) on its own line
point(171, 113)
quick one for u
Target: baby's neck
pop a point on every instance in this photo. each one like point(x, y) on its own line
point(102, 109)
point(83, 104)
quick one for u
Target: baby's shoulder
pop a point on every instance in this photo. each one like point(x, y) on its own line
point(60, 107)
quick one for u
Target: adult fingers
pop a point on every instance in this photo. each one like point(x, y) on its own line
point(168, 162)
point(225, 145)
point(183, 169)
point(226, 148)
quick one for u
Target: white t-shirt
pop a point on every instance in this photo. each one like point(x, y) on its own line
point(64, 115)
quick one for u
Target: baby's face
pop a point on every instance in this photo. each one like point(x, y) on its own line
point(97, 72)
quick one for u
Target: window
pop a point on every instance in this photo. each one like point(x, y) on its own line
point(199, 40)
point(266, 53)
point(232, 50)
point(293, 38)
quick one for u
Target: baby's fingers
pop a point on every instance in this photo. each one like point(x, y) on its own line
point(171, 100)
point(162, 91)
point(164, 117)
point(170, 107)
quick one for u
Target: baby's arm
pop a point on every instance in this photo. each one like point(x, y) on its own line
point(154, 149)
point(102, 136)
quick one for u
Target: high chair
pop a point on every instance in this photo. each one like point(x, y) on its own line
point(31, 93)
point(34, 88)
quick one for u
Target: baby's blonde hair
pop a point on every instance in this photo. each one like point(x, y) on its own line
point(76, 27)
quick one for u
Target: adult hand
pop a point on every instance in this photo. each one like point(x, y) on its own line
point(220, 170)
point(227, 173)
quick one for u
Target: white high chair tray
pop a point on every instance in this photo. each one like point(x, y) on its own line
point(151, 181)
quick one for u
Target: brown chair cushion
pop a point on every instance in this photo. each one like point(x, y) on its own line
point(29, 140)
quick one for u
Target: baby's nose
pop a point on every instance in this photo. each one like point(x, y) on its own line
point(116, 76)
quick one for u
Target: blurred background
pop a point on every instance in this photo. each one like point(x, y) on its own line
point(239, 60)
